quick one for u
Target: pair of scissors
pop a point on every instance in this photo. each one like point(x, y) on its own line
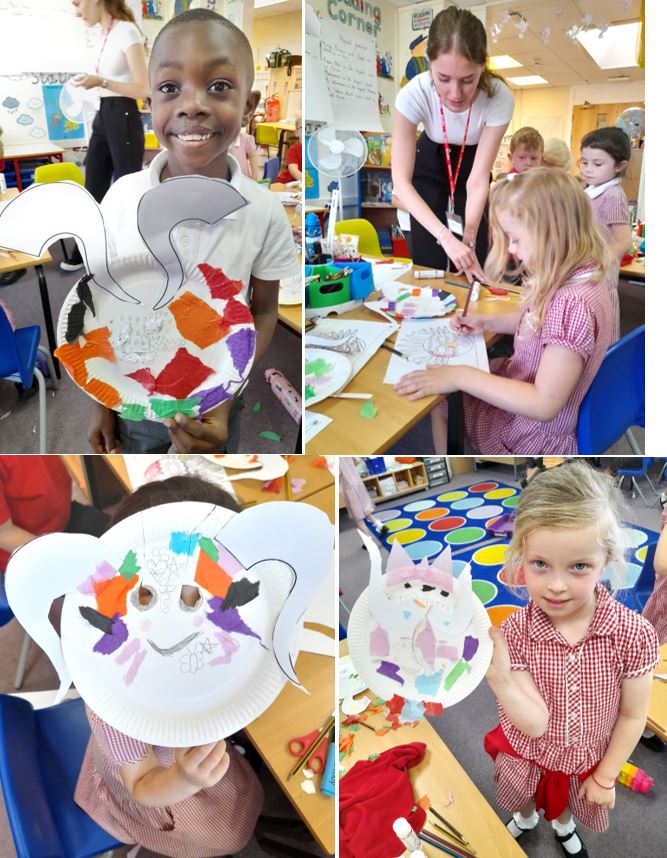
point(299, 745)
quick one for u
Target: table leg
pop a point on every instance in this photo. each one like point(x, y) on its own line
point(281, 141)
point(17, 174)
point(48, 318)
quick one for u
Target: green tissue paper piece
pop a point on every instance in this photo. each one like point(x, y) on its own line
point(310, 391)
point(318, 367)
point(354, 728)
point(129, 567)
point(208, 547)
point(257, 407)
point(132, 411)
point(373, 757)
point(164, 408)
point(456, 673)
point(270, 436)
point(368, 410)
point(403, 296)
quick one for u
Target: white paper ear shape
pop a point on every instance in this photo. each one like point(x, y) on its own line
point(146, 341)
point(176, 634)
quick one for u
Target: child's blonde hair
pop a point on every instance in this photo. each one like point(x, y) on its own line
point(572, 496)
point(557, 154)
point(529, 138)
point(553, 207)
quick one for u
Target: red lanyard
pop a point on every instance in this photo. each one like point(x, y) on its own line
point(448, 158)
point(106, 36)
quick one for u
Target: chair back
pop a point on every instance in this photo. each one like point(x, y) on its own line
point(638, 469)
point(271, 168)
point(6, 613)
point(615, 400)
point(65, 172)
point(646, 581)
point(41, 752)
point(369, 243)
point(266, 135)
point(10, 364)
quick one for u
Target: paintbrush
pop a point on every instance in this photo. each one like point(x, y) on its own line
point(449, 826)
point(451, 841)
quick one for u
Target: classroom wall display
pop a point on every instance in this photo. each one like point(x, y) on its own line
point(181, 623)
point(418, 631)
point(146, 340)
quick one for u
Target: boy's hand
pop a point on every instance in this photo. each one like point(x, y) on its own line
point(203, 766)
point(500, 669)
point(208, 434)
point(102, 434)
point(597, 795)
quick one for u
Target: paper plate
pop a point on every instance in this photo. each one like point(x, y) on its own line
point(361, 625)
point(188, 356)
point(289, 199)
point(178, 680)
point(325, 372)
point(239, 461)
point(291, 291)
point(416, 302)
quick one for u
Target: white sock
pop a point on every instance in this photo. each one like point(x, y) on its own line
point(647, 734)
point(519, 823)
point(573, 845)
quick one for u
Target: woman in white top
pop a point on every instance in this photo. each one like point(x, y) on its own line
point(465, 110)
point(116, 145)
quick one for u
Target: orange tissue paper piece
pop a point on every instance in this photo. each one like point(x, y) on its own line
point(111, 595)
point(69, 354)
point(73, 355)
point(103, 392)
point(424, 802)
point(212, 577)
point(218, 282)
point(320, 462)
point(181, 375)
point(196, 320)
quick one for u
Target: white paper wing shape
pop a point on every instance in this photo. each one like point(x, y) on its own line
point(180, 624)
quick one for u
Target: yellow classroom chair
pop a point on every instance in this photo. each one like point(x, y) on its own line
point(369, 243)
point(267, 135)
point(65, 172)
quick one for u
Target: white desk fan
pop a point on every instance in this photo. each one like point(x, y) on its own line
point(339, 153)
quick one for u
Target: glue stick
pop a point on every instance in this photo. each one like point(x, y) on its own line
point(284, 392)
point(406, 834)
point(428, 272)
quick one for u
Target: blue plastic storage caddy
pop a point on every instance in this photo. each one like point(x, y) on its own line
point(361, 279)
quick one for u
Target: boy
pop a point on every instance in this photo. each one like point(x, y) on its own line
point(201, 73)
point(526, 148)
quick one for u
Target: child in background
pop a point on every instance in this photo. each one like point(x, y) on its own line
point(655, 611)
point(556, 154)
point(605, 154)
point(201, 73)
point(572, 671)
point(130, 788)
point(355, 496)
point(294, 160)
point(529, 404)
point(526, 147)
point(245, 152)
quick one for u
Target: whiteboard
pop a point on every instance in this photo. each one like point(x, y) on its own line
point(46, 36)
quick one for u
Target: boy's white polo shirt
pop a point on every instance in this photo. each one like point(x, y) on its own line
point(254, 240)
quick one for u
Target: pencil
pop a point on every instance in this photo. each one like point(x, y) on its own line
point(449, 850)
point(396, 352)
point(449, 826)
point(447, 833)
point(446, 838)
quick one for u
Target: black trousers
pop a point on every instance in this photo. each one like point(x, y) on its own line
point(116, 145)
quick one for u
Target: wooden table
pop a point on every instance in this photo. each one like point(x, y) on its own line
point(657, 707)
point(29, 151)
point(438, 775)
point(17, 262)
point(636, 270)
point(291, 315)
point(350, 432)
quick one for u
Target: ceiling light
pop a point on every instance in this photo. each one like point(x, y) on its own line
point(616, 48)
point(261, 4)
point(527, 80)
point(503, 61)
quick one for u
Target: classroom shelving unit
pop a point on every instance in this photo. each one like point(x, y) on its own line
point(402, 480)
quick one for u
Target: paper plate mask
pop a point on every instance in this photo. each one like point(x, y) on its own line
point(181, 623)
point(418, 631)
point(148, 340)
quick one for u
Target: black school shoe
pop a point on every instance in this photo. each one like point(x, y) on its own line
point(653, 743)
point(511, 822)
point(582, 853)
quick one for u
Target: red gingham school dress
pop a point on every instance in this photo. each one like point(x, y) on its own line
point(655, 610)
point(581, 686)
point(580, 318)
point(610, 209)
point(213, 822)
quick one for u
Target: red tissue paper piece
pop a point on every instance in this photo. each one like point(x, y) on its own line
point(273, 485)
point(372, 795)
point(433, 708)
point(181, 375)
point(320, 462)
point(145, 378)
point(236, 313)
point(395, 705)
point(218, 282)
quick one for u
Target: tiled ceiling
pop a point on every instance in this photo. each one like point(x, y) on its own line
point(562, 61)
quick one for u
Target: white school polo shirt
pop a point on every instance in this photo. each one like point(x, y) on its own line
point(112, 62)
point(254, 240)
point(418, 102)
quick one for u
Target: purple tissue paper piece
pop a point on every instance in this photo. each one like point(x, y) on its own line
point(241, 346)
point(130, 650)
point(110, 643)
point(212, 397)
point(229, 647)
point(470, 646)
point(389, 669)
point(229, 620)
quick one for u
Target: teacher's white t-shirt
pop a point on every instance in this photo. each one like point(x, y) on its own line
point(112, 62)
point(418, 102)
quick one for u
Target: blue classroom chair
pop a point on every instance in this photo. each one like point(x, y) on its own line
point(615, 400)
point(6, 615)
point(636, 597)
point(640, 470)
point(41, 751)
point(271, 168)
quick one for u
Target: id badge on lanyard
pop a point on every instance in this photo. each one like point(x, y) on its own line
point(454, 221)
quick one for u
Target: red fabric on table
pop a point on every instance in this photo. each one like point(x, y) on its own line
point(35, 494)
point(294, 156)
point(372, 795)
point(553, 790)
